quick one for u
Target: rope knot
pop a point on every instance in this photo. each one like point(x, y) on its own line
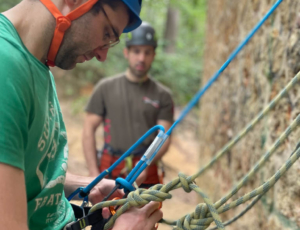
point(63, 23)
point(141, 197)
point(184, 182)
point(135, 198)
point(196, 220)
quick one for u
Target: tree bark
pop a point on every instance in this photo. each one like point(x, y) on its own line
point(171, 30)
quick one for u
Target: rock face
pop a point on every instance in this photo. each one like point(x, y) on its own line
point(261, 70)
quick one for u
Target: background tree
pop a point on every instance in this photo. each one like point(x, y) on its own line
point(171, 29)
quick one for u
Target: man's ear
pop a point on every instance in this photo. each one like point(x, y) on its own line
point(70, 5)
point(125, 52)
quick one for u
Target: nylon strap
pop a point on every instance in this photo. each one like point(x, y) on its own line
point(94, 219)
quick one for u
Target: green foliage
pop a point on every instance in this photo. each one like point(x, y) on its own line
point(79, 104)
point(190, 39)
point(179, 73)
point(7, 4)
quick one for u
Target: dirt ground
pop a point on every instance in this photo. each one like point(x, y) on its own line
point(181, 157)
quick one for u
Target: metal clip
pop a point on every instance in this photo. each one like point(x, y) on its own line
point(113, 209)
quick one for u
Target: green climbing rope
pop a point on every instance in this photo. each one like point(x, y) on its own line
point(251, 204)
point(208, 212)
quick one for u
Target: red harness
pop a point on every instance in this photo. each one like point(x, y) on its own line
point(107, 160)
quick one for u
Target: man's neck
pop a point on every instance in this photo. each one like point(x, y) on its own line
point(131, 77)
point(35, 25)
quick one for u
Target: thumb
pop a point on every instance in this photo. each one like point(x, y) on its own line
point(105, 213)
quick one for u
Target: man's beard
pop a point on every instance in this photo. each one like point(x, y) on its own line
point(138, 73)
point(70, 50)
point(66, 61)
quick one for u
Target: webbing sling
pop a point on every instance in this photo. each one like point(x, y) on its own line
point(94, 219)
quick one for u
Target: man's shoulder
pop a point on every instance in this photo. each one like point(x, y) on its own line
point(110, 81)
point(12, 53)
point(160, 87)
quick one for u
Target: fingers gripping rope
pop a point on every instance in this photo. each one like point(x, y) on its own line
point(159, 193)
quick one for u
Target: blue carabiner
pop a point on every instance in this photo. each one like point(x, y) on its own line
point(84, 192)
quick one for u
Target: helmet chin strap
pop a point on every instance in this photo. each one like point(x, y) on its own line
point(62, 24)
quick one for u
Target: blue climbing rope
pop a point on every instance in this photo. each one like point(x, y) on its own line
point(201, 92)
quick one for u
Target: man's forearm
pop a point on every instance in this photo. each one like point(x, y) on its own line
point(90, 153)
point(97, 193)
point(74, 181)
point(13, 210)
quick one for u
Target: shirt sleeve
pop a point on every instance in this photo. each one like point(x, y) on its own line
point(166, 111)
point(15, 98)
point(96, 102)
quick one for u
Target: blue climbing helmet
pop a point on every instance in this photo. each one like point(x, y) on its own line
point(135, 9)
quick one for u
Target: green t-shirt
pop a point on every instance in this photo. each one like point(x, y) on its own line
point(32, 132)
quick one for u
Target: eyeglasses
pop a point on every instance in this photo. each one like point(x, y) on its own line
point(111, 43)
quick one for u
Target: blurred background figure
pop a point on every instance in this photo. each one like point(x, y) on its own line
point(128, 105)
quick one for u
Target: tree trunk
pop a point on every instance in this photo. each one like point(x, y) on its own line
point(171, 30)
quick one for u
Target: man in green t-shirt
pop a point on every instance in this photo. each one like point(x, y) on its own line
point(33, 143)
point(128, 105)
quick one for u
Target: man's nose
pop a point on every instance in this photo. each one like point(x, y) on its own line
point(142, 57)
point(101, 54)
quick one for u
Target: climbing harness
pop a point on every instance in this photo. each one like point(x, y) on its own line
point(207, 212)
point(110, 155)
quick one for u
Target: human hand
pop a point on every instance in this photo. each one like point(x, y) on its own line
point(102, 189)
point(139, 218)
